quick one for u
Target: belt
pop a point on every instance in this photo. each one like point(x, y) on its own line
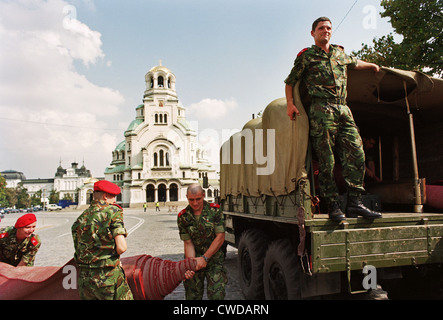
point(341, 101)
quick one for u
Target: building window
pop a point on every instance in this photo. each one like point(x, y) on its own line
point(161, 158)
point(160, 118)
point(160, 82)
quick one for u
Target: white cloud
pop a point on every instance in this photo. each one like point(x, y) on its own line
point(61, 113)
point(212, 108)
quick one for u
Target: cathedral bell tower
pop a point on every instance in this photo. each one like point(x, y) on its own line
point(160, 81)
point(160, 99)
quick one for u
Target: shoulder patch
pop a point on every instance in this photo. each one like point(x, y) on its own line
point(4, 235)
point(339, 46)
point(118, 206)
point(214, 205)
point(303, 51)
point(34, 241)
point(182, 212)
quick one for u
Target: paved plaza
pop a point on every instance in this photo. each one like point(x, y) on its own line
point(153, 233)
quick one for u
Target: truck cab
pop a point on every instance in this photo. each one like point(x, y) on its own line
point(287, 246)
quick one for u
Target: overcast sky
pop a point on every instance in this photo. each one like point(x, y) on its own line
point(72, 72)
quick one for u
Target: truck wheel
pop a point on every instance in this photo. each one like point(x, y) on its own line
point(251, 254)
point(281, 272)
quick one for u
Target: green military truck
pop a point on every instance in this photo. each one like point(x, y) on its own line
point(287, 246)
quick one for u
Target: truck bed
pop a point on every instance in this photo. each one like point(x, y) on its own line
point(396, 239)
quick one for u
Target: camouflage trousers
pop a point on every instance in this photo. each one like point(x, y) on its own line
point(103, 284)
point(215, 275)
point(333, 131)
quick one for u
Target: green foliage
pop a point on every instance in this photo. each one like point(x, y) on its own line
point(2, 191)
point(420, 23)
point(54, 196)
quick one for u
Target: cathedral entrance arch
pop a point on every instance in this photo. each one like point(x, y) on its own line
point(162, 192)
point(173, 192)
point(150, 193)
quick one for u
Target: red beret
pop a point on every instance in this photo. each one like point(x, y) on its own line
point(25, 220)
point(106, 186)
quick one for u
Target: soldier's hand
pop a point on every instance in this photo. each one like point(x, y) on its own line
point(292, 111)
point(201, 263)
point(189, 274)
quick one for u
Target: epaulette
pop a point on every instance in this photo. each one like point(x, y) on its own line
point(118, 206)
point(34, 241)
point(182, 212)
point(214, 205)
point(303, 51)
point(4, 235)
point(341, 47)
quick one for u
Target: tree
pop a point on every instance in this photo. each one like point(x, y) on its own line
point(36, 198)
point(54, 196)
point(3, 202)
point(11, 197)
point(23, 199)
point(420, 22)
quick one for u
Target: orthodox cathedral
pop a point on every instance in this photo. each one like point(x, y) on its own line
point(160, 155)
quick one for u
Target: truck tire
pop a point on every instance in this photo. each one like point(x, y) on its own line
point(251, 253)
point(422, 283)
point(281, 272)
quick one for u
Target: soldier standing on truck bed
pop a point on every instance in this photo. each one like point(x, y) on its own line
point(323, 67)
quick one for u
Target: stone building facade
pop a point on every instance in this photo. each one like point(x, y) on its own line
point(160, 155)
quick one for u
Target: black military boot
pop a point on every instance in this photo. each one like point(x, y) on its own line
point(334, 211)
point(356, 208)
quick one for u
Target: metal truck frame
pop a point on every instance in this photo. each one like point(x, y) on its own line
point(288, 249)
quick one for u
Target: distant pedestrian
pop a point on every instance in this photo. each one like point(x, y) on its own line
point(157, 206)
point(19, 244)
point(99, 238)
point(145, 205)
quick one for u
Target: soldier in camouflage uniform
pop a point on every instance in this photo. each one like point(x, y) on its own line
point(323, 68)
point(201, 227)
point(99, 240)
point(19, 244)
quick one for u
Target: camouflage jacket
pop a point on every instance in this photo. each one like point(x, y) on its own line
point(93, 233)
point(201, 230)
point(12, 251)
point(325, 74)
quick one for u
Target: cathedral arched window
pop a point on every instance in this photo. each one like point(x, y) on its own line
point(165, 118)
point(160, 82)
point(167, 159)
point(155, 159)
point(156, 118)
point(161, 118)
point(161, 155)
